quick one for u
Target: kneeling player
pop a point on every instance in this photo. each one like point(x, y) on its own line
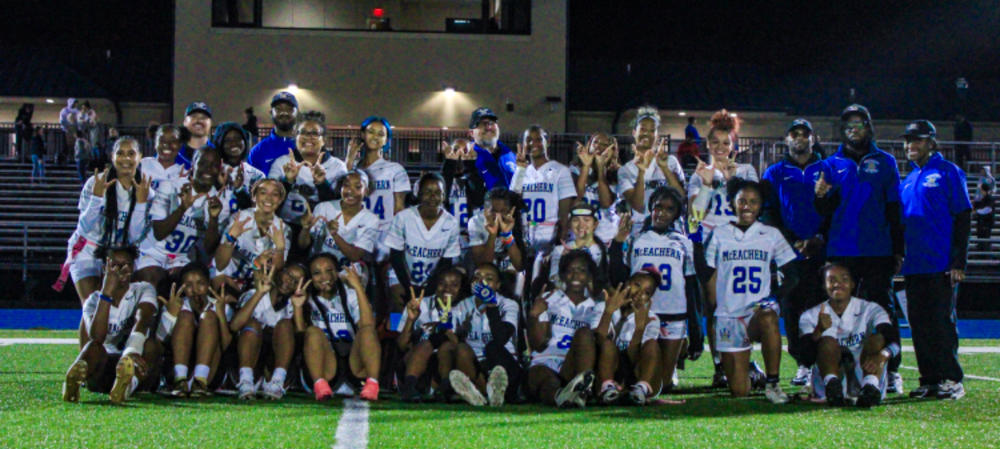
point(486, 323)
point(338, 314)
point(850, 346)
point(631, 356)
point(264, 322)
point(115, 354)
point(562, 328)
point(741, 254)
point(196, 316)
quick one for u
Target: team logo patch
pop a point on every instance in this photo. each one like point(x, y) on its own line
point(932, 180)
point(871, 166)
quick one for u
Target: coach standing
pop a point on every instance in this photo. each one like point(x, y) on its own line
point(494, 160)
point(858, 190)
point(937, 215)
point(284, 111)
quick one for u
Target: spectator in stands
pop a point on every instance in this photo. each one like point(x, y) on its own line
point(284, 112)
point(86, 121)
point(983, 203)
point(687, 151)
point(150, 142)
point(38, 155)
point(81, 152)
point(251, 125)
point(22, 127)
point(936, 216)
point(100, 154)
point(858, 191)
point(963, 133)
point(67, 121)
point(494, 160)
point(198, 122)
point(690, 130)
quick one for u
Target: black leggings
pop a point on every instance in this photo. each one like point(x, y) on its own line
point(497, 355)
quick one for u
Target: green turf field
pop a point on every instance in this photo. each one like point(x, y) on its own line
point(32, 415)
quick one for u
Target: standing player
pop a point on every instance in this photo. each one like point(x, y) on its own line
point(234, 141)
point(596, 174)
point(740, 255)
point(858, 191)
point(164, 167)
point(652, 166)
point(284, 111)
point(388, 198)
point(463, 185)
point(547, 189)
point(494, 161)
point(937, 216)
point(306, 171)
point(850, 340)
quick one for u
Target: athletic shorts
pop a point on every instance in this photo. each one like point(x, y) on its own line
point(672, 330)
point(553, 363)
point(731, 334)
point(85, 265)
point(158, 259)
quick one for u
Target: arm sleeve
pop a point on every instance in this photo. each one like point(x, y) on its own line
point(398, 262)
point(960, 239)
point(618, 266)
point(693, 295)
point(789, 279)
point(502, 330)
point(475, 188)
point(325, 191)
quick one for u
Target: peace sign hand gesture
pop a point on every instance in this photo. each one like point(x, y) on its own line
point(298, 298)
point(291, 168)
point(522, 156)
point(413, 306)
point(175, 302)
point(450, 152)
point(263, 277)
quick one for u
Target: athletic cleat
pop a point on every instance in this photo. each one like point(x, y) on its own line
point(180, 388)
point(774, 394)
point(321, 388)
point(610, 393)
point(637, 395)
point(199, 388)
point(466, 389)
point(76, 375)
point(834, 392)
point(247, 390)
point(273, 391)
point(124, 373)
point(675, 380)
point(895, 383)
point(370, 391)
point(496, 386)
point(870, 396)
point(925, 391)
point(950, 389)
point(345, 390)
point(802, 376)
point(575, 392)
point(719, 379)
point(757, 377)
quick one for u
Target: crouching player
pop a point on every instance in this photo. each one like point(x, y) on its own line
point(195, 321)
point(339, 328)
point(562, 331)
point(850, 339)
point(631, 356)
point(484, 360)
point(264, 323)
point(115, 354)
point(740, 255)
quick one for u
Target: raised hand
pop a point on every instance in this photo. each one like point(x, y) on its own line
point(188, 197)
point(101, 182)
point(224, 174)
point(239, 179)
point(453, 153)
point(413, 306)
point(507, 220)
point(822, 187)
point(299, 296)
point(351, 277)
point(540, 305)
point(586, 157)
point(319, 173)
point(706, 173)
point(277, 237)
point(333, 226)
point(214, 206)
point(238, 227)
point(493, 225)
point(263, 277)
point(727, 167)
point(624, 227)
point(662, 154)
point(469, 154)
point(353, 152)
point(522, 156)
point(142, 189)
point(176, 301)
point(291, 168)
point(824, 321)
point(307, 220)
point(615, 298)
point(643, 159)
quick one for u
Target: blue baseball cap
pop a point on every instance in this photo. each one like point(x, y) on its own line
point(286, 97)
point(800, 123)
point(198, 106)
point(920, 129)
point(479, 114)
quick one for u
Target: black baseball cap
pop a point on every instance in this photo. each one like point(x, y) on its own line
point(856, 109)
point(800, 123)
point(198, 106)
point(285, 96)
point(920, 129)
point(479, 114)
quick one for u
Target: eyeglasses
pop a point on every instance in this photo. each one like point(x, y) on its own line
point(313, 134)
point(855, 124)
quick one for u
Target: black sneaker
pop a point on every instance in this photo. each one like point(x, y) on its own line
point(408, 392)
point(925, 391)
point(719, 379)
point(870, 396)
point(834, 392)
point(758, 380)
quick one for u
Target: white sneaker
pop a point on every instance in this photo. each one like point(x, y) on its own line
point(774, 394)
point(464, 387)
point(496, 386)
point(950, 389)
point(675, 380)
point(637, 395)
point(802, 376)
point(345, 390)
point(610, 392)
point(575, 392)
point(895, 383)
point(273, 391)
point(247, 390)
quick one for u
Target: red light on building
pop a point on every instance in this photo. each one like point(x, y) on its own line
point(378, 12)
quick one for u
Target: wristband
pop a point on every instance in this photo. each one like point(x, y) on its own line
point(229, 237)
point(506, 234)
point(893, 349)
point(507, 242)
point(134, 345)
point(105, 298)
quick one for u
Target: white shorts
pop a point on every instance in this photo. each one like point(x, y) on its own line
point(158, 259)
point(851, 376)
point(84, 265)
point(673, 330)
point(731, 334)
point(553, 363)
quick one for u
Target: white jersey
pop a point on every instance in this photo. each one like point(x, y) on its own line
point(249, 246)
point(719, 210)
point(541, 189)
point(672, 255)
point(849, 329)
point(121, 318)
point(304, 188)
point(479, 324)
point(564, 319)
point(389, 178)
point(190, 229)
point(329, 315)
point(361, 231)
point(458, 205)
point(158, 173)
point(478, 235)
point(623, 329)
point(429, 313)
point(557, 253)
point(250, 177)
point(265, 312)
point(423, 247)
point(743, 265)
point(607, 218)
point(652, 178)
point(90, 224)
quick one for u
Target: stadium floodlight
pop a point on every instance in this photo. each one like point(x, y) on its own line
point(682, 113)
point(293, 88)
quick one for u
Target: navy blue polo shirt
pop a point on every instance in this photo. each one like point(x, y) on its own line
point(268, 149)
point(793, 190)
point(496, 170)
point(185, 150)
point(932, 195)
point(859, 227)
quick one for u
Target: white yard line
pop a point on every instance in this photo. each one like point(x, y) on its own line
point(961, 349)
point(967, 376)
point(352, 429)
